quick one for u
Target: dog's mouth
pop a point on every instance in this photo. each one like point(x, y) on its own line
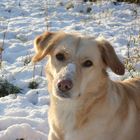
point(67, 95)
point(64, 94)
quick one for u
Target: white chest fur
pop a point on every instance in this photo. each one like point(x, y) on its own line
point(66, 113)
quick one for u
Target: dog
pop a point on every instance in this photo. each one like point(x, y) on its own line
point(85, 104)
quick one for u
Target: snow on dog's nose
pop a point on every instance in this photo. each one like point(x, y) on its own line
point(71, 69)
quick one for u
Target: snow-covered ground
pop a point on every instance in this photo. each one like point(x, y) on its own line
point(25, 115)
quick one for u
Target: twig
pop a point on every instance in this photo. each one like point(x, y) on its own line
point(2, 45)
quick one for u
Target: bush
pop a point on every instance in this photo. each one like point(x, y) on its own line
point(33, 85)
point(131, 1)
point(7, 88)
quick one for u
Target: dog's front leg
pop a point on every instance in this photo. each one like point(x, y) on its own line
point(52, 136)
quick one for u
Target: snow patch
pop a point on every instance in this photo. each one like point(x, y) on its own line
point(24, 131)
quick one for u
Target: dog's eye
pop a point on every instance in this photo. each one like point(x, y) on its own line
point(87, 63)
point(60, 57)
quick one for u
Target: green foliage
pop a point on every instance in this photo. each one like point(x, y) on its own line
point(22, 38)
point(90, 0)
point(130, 1)
point(27, 60)
point(33, 85)
point(7, 88)
point(89, 10)
point(1, 51)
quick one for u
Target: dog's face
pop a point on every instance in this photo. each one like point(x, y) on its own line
point(76, 65)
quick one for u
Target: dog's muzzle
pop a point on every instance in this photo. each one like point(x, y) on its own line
point(65, 81)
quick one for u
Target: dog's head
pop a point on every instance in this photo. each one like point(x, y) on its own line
point(76, 64)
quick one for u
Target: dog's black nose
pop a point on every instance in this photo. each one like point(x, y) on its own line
point(65, 85)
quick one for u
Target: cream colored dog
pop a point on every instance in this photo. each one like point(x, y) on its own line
point(85, 103)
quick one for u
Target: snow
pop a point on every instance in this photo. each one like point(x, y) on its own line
point(25, 131)
point(25, 115)
point(70, 70)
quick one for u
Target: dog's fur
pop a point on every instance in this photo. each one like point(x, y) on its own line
point(97, 108)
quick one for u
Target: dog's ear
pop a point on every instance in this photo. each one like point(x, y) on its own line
point(44, 43)
point(109, 57)
point(41, 45)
